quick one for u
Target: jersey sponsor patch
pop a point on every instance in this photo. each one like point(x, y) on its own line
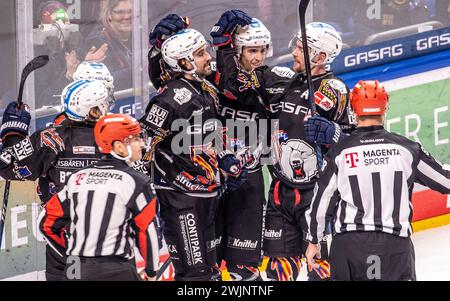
point(21, 172)
point(322, 101)
point(157, 116)
point(275, 90)
point(23, 149)
point(72, 163)
point(283, 72)
point(337, 85)
point(182, 95)
point(87, 150)
point(6, 156)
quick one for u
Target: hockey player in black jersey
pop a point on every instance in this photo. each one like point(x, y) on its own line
point(243, 44)
point(183, 123)
point(110, 207)
point(294, 162)
point(85, 70)
point(57, 151)
point(365, 190)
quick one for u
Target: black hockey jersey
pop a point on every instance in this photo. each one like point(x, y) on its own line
point(294, 160)
point(243, 94)
point(54, 152)
point(182, 121)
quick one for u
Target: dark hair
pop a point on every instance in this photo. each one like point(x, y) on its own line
point(367, 117)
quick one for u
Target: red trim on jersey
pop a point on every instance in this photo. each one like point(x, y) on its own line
point(297, 197)
point(217, 78)
point(276, 195)
point(142, 221)
point(54, 212)
point(59, 119)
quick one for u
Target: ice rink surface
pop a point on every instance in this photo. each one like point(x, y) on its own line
point(432, 248)
point(433, 254)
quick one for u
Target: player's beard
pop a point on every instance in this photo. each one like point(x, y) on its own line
point(205, 71)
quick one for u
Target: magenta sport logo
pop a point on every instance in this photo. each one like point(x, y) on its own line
point(352, 159)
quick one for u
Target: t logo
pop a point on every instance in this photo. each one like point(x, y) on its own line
point(352, 159)
point(79, 178)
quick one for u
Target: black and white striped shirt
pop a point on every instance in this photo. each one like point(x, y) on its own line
point(107, 208)
point(367, 184)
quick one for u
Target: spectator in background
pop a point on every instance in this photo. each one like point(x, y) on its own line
point(393, 14)
point(61, 41)
point(442, 9)
point(115, 33)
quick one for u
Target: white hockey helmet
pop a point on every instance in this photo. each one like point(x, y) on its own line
point(324, 38)
point(94, 71)
point(254, 34)
point(79, 97)
point(182, 46)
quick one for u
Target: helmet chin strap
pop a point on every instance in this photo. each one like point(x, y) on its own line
point(193, 72)
point(126, 159)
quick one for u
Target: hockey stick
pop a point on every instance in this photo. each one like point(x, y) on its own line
point(303, 6)
point(34, 64)
point(163, 268)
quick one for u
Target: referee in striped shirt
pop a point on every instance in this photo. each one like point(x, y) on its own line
point(110, 207)
point(365, 192)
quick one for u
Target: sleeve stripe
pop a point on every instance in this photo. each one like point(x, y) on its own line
point(54, 211)
point(142, 221)
point(433, 175)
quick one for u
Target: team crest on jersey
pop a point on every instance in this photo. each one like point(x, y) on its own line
point(157, 116)
point(331, 93)
point(298, 161)
point(182, 95)
point(52, 140)
point(283, 72)
point(249, 81)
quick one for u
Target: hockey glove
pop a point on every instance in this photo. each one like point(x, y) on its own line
point(167, 27)
point(16, 121)
point(236, 174)
point(223, 30)
point(322, 131)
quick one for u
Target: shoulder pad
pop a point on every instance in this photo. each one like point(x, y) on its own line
point(283, 72)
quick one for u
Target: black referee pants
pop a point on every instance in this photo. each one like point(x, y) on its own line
point(365, 256)
point(107, 268)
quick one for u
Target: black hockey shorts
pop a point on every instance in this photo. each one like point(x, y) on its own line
point(54, 265)
point(285, 220)
point(363, 256)
point(107, 268)
point(243, 222)
point(189, 230)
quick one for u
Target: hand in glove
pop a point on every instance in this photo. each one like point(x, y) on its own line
point(322, 131)
point(167, 27)
point(236, 174)
point(16, 121)
point(223, 30)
